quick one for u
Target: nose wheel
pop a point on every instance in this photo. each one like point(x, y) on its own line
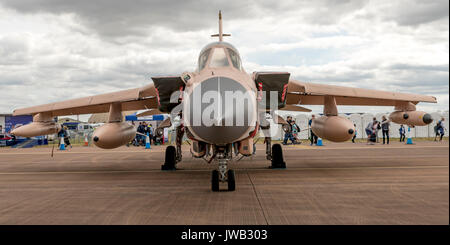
point(223, 175)
point(229, 178)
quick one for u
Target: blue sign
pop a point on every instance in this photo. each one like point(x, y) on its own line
point(12, 122)
point(133, 117)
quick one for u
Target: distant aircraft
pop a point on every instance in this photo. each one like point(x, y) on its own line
point(222, 108)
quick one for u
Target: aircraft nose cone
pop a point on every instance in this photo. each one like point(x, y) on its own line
point(351, 131)
point(96, 139)
point(427, 118)
point(220, 110)
point(405, 116)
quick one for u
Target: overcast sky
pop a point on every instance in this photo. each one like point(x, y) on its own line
point(53, 50)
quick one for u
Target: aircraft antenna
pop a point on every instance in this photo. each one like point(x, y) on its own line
point(221, 34)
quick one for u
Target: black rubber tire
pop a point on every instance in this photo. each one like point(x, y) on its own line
point(277, 157)
point(170, 161)
point(215, 180)
point(231, 180)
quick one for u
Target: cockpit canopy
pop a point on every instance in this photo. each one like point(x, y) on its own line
point(219, 54)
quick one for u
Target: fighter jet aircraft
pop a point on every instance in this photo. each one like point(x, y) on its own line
point(222, 108)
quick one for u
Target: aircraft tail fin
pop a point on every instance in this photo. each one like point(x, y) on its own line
point(220, 34)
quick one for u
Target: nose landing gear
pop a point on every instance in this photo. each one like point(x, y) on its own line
point(223, 174)
point(217, 177)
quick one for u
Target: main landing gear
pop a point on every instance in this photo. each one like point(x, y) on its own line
point(277, 157)
point(173, 155)
point(223, 155)
point(170, 159)
point(274, 153)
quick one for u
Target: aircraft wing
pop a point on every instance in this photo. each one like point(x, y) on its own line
point(294, 108)
point(149, 113)
point(313, 94)
point(130, 99)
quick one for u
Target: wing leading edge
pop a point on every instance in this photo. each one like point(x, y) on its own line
point(314, 94)
point(130, 99)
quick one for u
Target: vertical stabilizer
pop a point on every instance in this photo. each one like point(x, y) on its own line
point(220, 34)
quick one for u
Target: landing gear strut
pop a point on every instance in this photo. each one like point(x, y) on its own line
point(223, 174)
point(268, 142)
point(179, 139)
point(174, 154)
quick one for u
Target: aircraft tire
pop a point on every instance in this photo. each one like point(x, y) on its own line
point(170, 161)
point(277, 157)
point(215, 180)
point(231, 180)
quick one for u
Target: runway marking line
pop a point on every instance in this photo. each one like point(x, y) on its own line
point(207, 170)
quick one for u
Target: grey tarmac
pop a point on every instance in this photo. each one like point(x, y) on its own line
point(335, 184)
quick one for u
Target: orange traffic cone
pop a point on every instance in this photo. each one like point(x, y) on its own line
point(86, 141)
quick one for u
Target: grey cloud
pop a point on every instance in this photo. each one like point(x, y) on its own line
point(443, 68)
point(113, 18)
point(119, 18)
point(13, 51)
point(150, 38)
point(411, 13)
point(416, 78)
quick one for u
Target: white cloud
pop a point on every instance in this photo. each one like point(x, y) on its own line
point(56, 50)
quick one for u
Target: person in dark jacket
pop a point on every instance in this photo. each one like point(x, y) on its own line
point(354, 136)
point(439, 129)
point(313, 136)
point(139, 137)
point(61, 134)
point(385, 129)
point(67, 137)
point(402, 132)
point(148, 131)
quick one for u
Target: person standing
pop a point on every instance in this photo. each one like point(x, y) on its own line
point(385, 129)
point(150, 132)
point(402, 132)
point(146, 132)
point(295, 130)
point(139, 136)
point(67, 137)
point(371, 131)
point(376, 128)
point(287, 130)
point(440, 130)
point(313, 136)
point(61, 135)
point(354, 136)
